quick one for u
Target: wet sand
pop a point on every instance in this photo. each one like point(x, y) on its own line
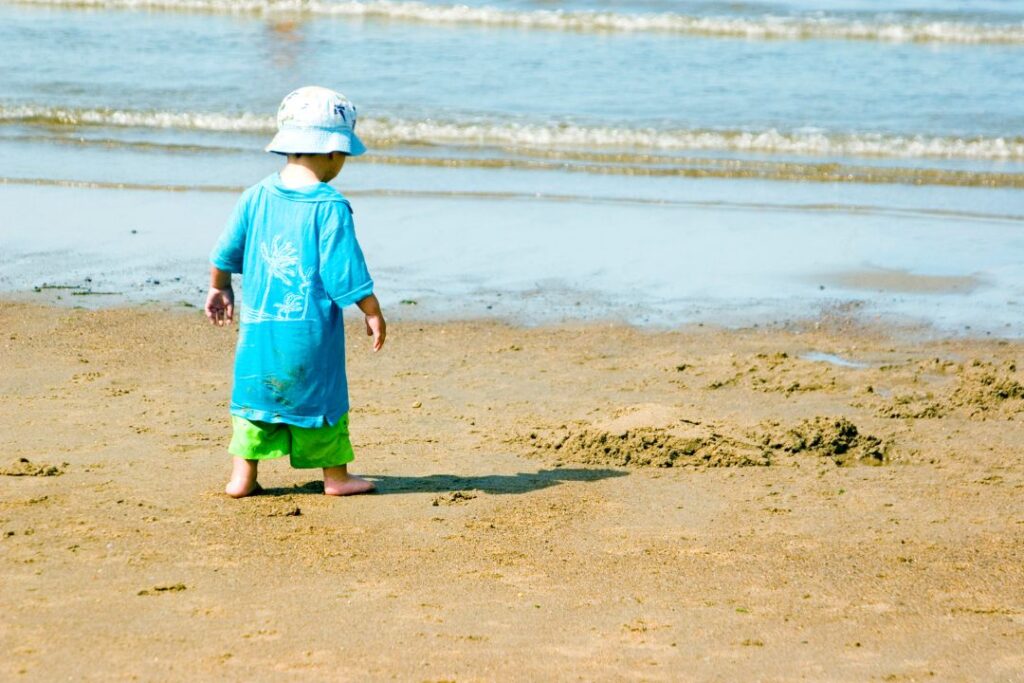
point(895, 280)
point(591, 502)
point(781, 252)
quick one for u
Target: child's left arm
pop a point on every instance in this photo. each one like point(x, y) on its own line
point(220, 301)
point(375, 325)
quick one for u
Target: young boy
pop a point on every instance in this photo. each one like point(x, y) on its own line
point(292, 238)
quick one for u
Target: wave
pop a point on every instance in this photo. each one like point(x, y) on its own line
point(392, 132)
point(64, 116)
point(762, 28)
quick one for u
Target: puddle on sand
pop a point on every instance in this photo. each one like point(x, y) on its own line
point(833, 359)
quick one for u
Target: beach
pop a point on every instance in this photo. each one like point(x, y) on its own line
point(704, 339)
point(586, 501)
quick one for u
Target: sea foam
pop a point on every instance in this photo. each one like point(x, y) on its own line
point(514, 134)
point(919, 30)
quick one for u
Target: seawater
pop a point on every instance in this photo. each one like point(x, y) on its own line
point(887, 115)
point(213, 65)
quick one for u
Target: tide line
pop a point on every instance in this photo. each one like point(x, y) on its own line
point(946, 214)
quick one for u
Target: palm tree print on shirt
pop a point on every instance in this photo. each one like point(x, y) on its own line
point(305, 283)
point(280, 260)
point(292, 303)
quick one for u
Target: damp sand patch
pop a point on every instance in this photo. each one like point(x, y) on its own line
point(901, 281)
point(833, 359)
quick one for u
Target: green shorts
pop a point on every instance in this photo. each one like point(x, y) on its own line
point(309, 448)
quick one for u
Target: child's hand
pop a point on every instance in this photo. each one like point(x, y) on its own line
point(376, 328)
point(375, 325)
point(220, 305)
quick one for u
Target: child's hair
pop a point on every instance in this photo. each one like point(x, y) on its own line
point(296, 155)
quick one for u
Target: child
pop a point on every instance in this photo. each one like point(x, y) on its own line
point(292, 238)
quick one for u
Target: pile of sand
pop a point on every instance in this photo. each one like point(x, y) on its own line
point(23, 467)
point(651, 435)
point(832, 437)
point(646, 435)
point(986, 388)
point(981, 389)
point(777, 373)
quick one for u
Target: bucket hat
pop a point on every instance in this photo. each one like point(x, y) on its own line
point(315, 120)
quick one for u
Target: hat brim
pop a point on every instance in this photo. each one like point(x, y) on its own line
point(315, 141)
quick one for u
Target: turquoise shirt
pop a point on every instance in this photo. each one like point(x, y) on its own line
point(300, 262)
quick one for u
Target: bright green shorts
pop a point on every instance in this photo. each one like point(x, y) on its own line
point(327, 446)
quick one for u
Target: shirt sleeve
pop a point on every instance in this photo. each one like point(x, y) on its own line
point(228, 253)
point(342, 266)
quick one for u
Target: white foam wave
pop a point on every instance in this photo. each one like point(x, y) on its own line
point(243, 122)
point(765, 28)
point(773, 141)
point(497, 133)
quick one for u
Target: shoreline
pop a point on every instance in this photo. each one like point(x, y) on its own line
point(838, 317)
point(654, 266)
point(538, 261)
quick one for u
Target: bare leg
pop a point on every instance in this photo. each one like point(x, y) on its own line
point(243, 478)
point(338, 482)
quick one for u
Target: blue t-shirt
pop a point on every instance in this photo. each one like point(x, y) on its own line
point(297, 251)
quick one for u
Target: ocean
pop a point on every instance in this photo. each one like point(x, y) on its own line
point(653, 161)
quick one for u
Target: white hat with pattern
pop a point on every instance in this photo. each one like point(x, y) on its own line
point(315, 120)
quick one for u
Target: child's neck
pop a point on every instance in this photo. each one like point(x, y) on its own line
point(305, 171)
point(297, 174)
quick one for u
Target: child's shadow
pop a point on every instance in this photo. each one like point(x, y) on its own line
point(521, 482)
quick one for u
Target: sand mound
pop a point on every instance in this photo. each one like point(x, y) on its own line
point(651, 435)
point(832, 437)
point(642, 416)
point(22, 467)
point(646, 447)
point(914, 406)
point(777, 373)
point(987, 388)
point(647, 435)
point(980, 388)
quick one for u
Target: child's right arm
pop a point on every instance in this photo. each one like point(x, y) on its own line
point(220, 301)
point(226, 258)
point(375, 325)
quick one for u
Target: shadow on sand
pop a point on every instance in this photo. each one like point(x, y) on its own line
point(521, 482)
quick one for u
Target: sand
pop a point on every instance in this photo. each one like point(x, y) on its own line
point(559, 503)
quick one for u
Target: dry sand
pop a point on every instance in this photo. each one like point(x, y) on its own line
point(571, 503)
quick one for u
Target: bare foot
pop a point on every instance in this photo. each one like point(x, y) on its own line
point(338, 482)
point(243, 478)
